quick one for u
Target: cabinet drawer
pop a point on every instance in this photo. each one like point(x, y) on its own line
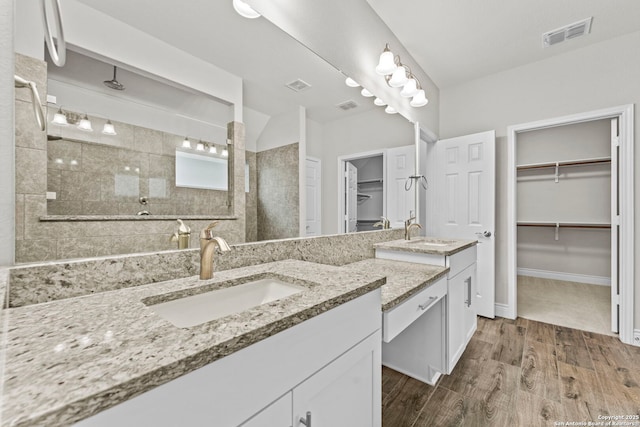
point(400, 317)
point(461, 260)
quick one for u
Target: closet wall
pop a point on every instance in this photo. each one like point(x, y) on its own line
point(582, 194)
point(370, 191)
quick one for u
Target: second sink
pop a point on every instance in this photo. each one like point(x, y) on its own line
point(207, 306)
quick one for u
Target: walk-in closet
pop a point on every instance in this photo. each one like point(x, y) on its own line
point(370, 191)
point(564, 211)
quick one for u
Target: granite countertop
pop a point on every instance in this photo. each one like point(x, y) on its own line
point(404, 279)
point(72, 358)
point(428, 245)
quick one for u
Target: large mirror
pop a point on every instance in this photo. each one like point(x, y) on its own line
point(296, 107)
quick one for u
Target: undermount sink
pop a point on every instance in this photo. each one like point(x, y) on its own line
point(433, 242)
point(207, 306)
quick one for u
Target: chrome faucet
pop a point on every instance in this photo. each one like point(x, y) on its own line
point(410, 225)
point(384, 223)
point(208, 244)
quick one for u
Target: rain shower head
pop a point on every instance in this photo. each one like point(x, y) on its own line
point(113, 83)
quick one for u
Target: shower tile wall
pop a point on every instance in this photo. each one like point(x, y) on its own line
point(252, 199)
point(278, 192)
point(97, 179)
point(38, 240)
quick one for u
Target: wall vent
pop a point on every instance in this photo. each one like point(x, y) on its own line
point(567, 32)
point(298, 85)
point(347, 105)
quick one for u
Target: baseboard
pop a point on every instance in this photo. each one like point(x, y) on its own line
point(636, 337)
point(568, 277)
point(503, 310)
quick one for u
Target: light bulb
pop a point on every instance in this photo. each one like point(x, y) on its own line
point(85, 124)
point(59, 119)
point(379, 102)
point(351, 83)
point(200, 146)
point(225, 153)
point(366, 93)
point(410, 88)
point(399, 77)
point(186, 143)
point(245, 10)
point(419, 99)
point(108, 128)
point(213, 149)
point(387, 64)
point(390, 110)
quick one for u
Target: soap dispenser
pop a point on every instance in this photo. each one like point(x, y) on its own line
point(182, 236)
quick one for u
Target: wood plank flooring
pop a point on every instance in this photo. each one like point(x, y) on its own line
point(521, 373)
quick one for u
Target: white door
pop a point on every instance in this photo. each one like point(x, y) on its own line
point(464, 203)
point(400, 166)
point(351, 198)
point(615, 228)
point(313, 197)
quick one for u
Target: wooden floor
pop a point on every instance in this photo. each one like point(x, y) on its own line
point(522, 373)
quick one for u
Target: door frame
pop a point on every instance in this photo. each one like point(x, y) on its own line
point(625, 115)
point(341, 187)
point(318, 193)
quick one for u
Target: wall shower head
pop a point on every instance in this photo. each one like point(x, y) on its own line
point(113, 83)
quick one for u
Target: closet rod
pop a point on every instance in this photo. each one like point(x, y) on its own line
point(565, 163)
point(564, 224)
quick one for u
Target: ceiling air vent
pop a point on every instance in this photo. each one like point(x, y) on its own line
point(567, 32)
point(347, 105)
point(298, 85)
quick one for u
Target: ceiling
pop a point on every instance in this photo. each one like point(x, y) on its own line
point(265, 57)
point(461, 40)
point(452, 41)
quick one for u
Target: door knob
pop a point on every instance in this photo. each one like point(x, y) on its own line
point(483, 233)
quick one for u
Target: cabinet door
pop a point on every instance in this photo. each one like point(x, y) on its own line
point(347, 392)
point(278, 414)
point(462, 313)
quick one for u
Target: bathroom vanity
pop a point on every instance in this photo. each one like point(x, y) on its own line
point(426, 334)
point(112, 358)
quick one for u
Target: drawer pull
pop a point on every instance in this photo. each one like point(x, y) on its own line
point(428, 304)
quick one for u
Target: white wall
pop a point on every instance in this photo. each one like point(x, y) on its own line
point(358, 133)
point(592, 78)
point(283, 129)
point(254, 123)
point(7, 134)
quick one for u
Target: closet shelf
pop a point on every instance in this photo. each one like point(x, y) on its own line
point(362, 196)
point(602, 225)
point(577, 162)
point(371, 181)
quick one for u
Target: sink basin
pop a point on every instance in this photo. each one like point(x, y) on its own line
point(197, 309)
point(434, 242)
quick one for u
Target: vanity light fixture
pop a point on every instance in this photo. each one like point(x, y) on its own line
point(109, 129)
point(200, 146)
point(225, 152)
point(390, 110)
point(186, 143)
point(85, 124)
point(366, 93)
point(351, 83)
point(396, 74)
point(59, 118)
point(379, 102)
point(213, 149)
point(245, 10)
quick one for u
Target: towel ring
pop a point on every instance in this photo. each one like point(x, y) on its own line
point(58, 53)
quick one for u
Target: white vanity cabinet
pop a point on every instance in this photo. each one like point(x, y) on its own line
point(327, 366)
point(432, 343)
